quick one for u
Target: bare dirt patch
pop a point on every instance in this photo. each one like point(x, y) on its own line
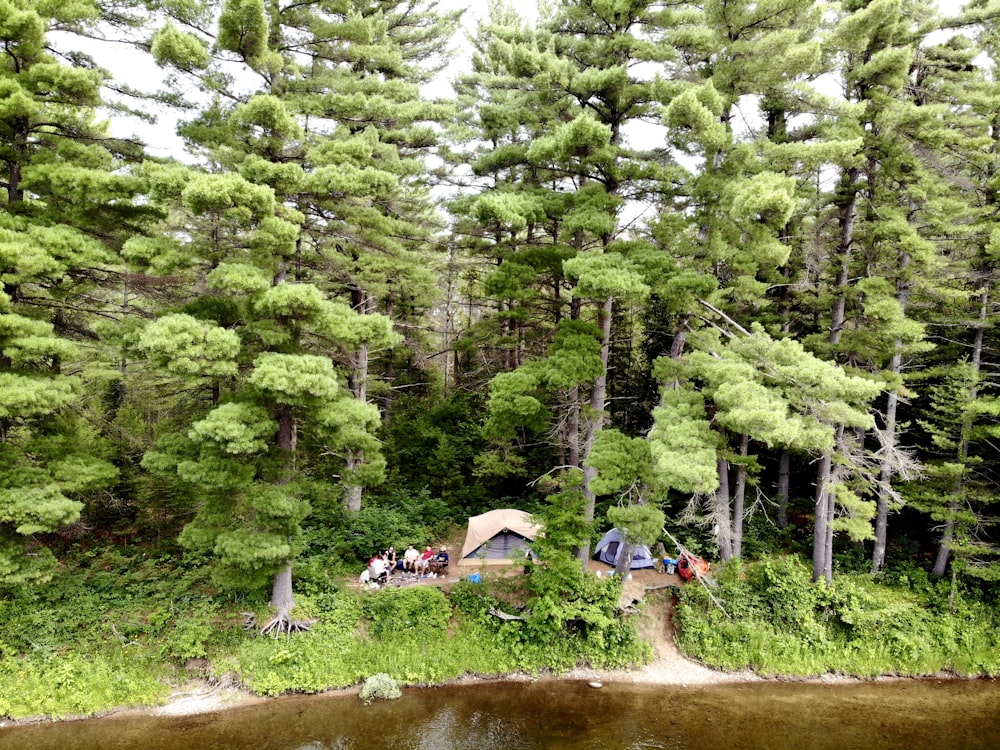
point(652, 594)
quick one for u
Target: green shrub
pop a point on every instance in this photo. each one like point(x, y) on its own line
point(77, 684)
point(379, 687)
point(782, 623)
point(417, 611)
point(341, 538)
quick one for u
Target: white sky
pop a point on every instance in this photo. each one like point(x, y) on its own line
point(141, 72)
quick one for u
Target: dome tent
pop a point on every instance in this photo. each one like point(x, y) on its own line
point(612, 545)
point(493, 537)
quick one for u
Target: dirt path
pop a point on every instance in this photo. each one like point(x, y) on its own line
point(669, 666)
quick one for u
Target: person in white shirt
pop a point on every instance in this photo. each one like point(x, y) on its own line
point(410, 558)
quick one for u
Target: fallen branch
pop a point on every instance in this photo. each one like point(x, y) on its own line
point(661, 586)
point(697, 574)
point(503, 615)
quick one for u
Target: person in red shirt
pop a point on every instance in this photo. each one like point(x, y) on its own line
point(424, 563)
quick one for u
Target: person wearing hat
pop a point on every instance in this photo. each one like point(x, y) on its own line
point(440, 562)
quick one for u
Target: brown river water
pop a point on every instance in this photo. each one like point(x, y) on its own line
point(553, 714)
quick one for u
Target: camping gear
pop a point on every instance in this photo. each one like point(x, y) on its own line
point(690, 565)
point(669, 565)
point(612, 545)
point(498, 537)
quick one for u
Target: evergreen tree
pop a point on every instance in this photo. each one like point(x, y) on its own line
point(66, 205)
point(729, 220)
point(958, 410)
point(891, 209)
point(310, 204)
point(575, 68)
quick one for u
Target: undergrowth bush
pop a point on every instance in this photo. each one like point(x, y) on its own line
point(420, 611)
point(777, 621)
point(77, 683)
point(379, 687)
point(341, 538)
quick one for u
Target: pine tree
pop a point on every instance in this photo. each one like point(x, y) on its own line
point(561, 172)
point(891, 209)
point(958, 410)
point(309, 214)
point(729, 220)
point(66, 205)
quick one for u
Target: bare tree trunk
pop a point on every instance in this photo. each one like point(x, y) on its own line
point(784, 474)
point(825, 500)
point(820, 520)
point(944, 549)
point(721, 511)
point(595, 419)
point(886, 472)
point(282, 599)
point(739, 498)
point(624, 564)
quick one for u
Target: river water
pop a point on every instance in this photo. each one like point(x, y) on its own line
point(908, 714)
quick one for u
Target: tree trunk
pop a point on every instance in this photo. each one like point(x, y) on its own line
point(944, 549)
point(822, 534)
point(784, 474)
point(595, 419)
point(885, 473)
point(624, 564)
point(282, 599)
point(820, 521)
point(739, 499)
point(721, 511)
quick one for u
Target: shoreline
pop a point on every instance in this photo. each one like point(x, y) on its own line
point(200, 697)
point(203, 697)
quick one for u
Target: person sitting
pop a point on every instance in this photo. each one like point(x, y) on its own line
point(424, 563)
point(377, 570)
point(439, 563)
point(390, 559)
point(410, 559)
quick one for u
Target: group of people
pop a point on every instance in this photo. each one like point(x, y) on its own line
point(426, 564)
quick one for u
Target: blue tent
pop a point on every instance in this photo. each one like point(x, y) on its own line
point(611, 546)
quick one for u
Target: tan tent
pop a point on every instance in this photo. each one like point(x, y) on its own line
point(493, 537)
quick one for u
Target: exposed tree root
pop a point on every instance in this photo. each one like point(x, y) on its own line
point(283, 624)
